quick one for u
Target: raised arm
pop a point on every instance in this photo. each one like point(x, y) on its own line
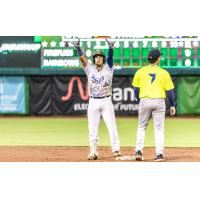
point(110, 53)
point(82, 56)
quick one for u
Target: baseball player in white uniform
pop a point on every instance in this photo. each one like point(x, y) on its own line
point(100, 76)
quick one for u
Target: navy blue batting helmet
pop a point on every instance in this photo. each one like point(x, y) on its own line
point(99, 53)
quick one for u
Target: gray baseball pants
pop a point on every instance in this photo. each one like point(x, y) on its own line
point(155, 108)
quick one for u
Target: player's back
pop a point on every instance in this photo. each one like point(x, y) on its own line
point(153, 81)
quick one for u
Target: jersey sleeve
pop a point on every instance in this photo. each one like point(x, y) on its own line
point(87, 68)
point(136, 80)
point(168, 82)
point(109, 68)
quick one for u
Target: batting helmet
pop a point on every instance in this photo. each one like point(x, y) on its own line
point(99, 53)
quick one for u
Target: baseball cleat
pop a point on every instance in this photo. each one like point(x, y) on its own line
point(159, 158)
point(139, 156)
point(92, 156)
point(116, 153)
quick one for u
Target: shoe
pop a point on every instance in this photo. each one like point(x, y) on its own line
point(139, 156)
point(159, 158)
point(116, 153)
point(92, 156)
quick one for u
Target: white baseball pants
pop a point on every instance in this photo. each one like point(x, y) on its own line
point(104, 107)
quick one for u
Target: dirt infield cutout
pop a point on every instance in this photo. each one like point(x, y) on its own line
point(79, 154)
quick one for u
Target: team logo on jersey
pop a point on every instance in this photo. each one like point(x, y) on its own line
point(97, 80)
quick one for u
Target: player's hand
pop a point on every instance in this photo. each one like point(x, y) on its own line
point(172, 110)
point(110, 43)
point(76, 43)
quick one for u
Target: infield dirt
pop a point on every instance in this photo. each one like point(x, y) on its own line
point(79, 154)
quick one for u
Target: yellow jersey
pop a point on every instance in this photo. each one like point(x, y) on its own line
point(153, 82)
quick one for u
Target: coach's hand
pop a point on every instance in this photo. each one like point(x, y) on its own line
point(110, 43)
point(172, 110)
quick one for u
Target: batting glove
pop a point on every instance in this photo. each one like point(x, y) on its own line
point(76, 43)
point(110, 43)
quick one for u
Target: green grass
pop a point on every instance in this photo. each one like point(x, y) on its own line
point(28, 131)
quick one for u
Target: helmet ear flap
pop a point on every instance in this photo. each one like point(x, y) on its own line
point(104, 60)
point(93, 60)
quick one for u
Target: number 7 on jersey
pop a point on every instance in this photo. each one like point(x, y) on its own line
point(153, 77)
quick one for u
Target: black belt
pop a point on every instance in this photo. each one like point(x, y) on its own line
point(100, 97)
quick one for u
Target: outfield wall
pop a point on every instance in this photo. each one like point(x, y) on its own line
point(64, 92)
